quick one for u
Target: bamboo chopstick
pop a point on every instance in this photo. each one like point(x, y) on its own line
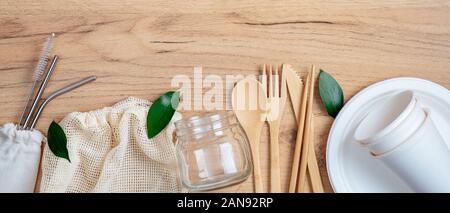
point(301, 182)
point(313, 167)
point(298, 142)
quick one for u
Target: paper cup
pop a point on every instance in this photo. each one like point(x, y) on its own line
point(400, 134)
point(422, 161)
point(389, 125)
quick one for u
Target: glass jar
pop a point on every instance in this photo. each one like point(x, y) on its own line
point(212, 151)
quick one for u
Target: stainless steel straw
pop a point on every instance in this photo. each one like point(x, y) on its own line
point(58, 93)
point(40, 91)
point(38, 71)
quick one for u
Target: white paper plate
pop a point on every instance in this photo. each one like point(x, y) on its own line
point(350, 167)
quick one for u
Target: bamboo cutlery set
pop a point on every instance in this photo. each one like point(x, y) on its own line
point(256, 102)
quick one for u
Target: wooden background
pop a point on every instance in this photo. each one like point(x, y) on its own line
point(135, 47)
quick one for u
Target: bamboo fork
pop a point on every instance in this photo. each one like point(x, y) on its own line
point(307, 132)
point(277, 95)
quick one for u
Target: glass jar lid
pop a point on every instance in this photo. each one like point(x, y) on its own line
point(201, 124)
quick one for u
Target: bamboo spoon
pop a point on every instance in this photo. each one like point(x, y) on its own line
point(249, 105)
point(305, 147)
point(313, 167)
point(298, 142)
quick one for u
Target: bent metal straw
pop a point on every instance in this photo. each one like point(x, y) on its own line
point(38, 71)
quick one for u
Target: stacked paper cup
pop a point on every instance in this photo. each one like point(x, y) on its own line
point(402, 135)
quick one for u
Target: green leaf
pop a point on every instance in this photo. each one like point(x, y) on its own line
point(57, 141)
point(330, 93)
point(161, 112)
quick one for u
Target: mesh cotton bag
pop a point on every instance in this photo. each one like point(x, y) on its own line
point(110, 152)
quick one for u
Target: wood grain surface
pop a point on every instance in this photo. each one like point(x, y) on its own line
point(135, 47)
